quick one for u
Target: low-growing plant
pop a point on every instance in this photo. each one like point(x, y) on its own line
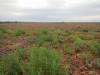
point(10, 65)
point(1, 68)
point(45, 31)
point(2, 30)
point(79, 43)
point(69, 50)
point(42, 39)
point(94, 47)
point(84, 30)
point(45, 37)
point(1, 35)
point(20, 52)
point(19, 32)
point(44, 61)
point(97, 62)
point(86, 37)
point(86, 56)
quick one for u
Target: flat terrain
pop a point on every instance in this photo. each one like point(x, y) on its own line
point(77, 45)
point(62, 25)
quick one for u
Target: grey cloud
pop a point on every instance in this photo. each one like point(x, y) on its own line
point(56, 11)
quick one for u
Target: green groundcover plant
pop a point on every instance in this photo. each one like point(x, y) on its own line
point(44, 61)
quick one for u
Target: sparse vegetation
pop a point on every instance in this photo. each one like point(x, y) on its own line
point(49, 50)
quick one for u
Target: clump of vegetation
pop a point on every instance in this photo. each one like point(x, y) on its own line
point(10, 65)
point(60, 36)
point(86, 56)
point(45, 62)
point(79, 43)
point(1, 35)
point(86, 37)
point(19, 32)
point(45, 37)
point(94, 47)
point(20, 53)
point(85, 30)
point(69, 50)
point(2, 30)
point(97, 62)
point(42, 39)
point(97, 30)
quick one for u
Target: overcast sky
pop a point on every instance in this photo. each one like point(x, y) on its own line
point(50, 10)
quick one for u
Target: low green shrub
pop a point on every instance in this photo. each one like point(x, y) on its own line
point(2, 30)
point(10, 65)
point(87, 36)
point(45, 62)
point(1, 35)
point(79, 43)
point(94, 47)
point(20, 52)
point(19, 32)
point(84, 30)
point(45, 37)
point(86, 56)
point(97, 62)
point(69, 50)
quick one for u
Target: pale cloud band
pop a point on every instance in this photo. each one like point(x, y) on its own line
point(50, 10)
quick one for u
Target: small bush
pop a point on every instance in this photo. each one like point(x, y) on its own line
point(86, 56)
point(45, 37)
point(20, 52)
point(86, 37)
point(79, 43)
point(45, 62)
point(69, 50)
point(19, 32)
point(85, 30)
point(10, 65)
point(1, 35)
point(2, 30)
point(45, 31)
point(97, 62)
point(94, 47)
